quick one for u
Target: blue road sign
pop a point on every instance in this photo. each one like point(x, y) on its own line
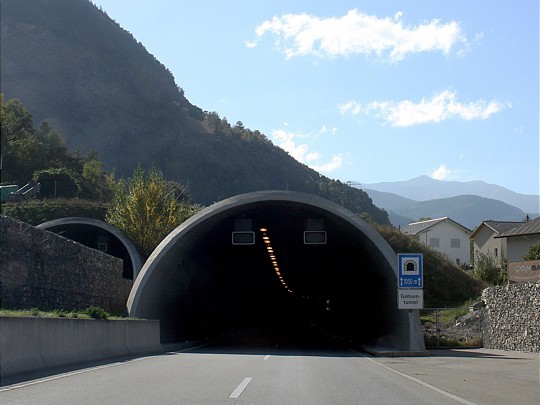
point(410, 271)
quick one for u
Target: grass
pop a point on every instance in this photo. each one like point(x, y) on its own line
point(88, 313)
point(445, 315)
point(446, 341)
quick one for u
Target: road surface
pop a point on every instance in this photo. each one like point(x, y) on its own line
point(264, 372)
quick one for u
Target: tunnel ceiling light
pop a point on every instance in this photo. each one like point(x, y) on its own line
point(273, 259)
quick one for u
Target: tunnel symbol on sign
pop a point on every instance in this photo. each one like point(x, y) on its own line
point(410, 267)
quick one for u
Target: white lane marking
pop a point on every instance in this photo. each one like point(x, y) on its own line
point(416, 380)
point(238, 391)
point(266, 357)
point(88, 370)
point(57, 377)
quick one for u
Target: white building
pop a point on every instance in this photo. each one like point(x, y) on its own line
point(520, 238)
point(486, 239)
point(444, 235)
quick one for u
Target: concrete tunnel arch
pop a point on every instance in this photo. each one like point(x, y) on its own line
point(199, 284)
point(100, 235)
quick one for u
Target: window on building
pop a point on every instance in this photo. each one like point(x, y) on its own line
point(496, 252)
point(434, 242)
point(455, 243)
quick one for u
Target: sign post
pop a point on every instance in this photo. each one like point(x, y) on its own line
point(410, 281)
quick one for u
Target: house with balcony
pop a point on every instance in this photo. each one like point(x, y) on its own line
point(444, 235)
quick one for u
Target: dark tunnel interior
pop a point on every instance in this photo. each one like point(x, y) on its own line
point(97, 238)
point(340, 288)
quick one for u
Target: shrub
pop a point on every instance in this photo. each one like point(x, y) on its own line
point(96, 313)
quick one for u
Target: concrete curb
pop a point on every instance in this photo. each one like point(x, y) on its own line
point(390, 352)
point(31, 344)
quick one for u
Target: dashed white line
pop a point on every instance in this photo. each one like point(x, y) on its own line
point(238, 391)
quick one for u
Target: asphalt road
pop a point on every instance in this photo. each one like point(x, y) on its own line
point(262, 372)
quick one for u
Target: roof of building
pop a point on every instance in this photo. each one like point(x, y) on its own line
point(526, 228)
point(497, 227)
point(418, 227)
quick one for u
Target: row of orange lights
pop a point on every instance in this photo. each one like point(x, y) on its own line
point(273, 259)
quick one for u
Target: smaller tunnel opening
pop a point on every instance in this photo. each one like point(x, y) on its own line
point(96, 238)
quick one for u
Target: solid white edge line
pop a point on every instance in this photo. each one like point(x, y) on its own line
point(238, 391)
point(90, 369)
point(416, 380)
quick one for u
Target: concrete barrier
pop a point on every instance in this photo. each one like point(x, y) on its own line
point(30, 344)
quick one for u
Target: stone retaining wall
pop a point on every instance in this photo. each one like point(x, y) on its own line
point(512, 317)
point(40, 269)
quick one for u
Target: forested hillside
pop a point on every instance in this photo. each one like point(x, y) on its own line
point(90, 80)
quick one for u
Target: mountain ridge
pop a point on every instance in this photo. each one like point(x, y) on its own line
point(424, 188)
point(468, 210)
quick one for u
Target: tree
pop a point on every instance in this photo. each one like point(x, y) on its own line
point(22, 153)
point(95, 183)
point(533, 252)
point(147, 208)
point(488, 269)
point(57, 183)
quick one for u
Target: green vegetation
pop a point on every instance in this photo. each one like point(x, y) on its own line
point(445, 284)
point(40, 154)
point(148, 207)
point(490, 270)
point(449, 341)
point(35, 212)
point(88, 313)
point(533, 253)
point(445, 316)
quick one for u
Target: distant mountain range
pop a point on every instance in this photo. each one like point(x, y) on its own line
point(468, 203)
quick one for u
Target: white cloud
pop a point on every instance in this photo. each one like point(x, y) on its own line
point(335, 163)
point(359, 33)
point(288, 142)
point(440, 107)
point(442, 173)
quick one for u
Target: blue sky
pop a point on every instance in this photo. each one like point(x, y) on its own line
point(363, 91)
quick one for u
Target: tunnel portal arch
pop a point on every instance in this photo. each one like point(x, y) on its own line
point(200, 284)
point(100, 235)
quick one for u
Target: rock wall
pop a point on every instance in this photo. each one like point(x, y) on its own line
point(40, 269)
point(512, 317)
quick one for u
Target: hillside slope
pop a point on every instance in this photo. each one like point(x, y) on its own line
point(75, 68)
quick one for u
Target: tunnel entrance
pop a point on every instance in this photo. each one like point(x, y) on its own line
point(338, 278)
point(99, 235)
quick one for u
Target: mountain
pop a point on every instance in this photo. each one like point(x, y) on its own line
point(469, 210)
point(425, 188)
point(73, 67)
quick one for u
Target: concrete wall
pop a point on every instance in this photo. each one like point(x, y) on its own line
point(29, 344)
point(44, 270)
point(512, 317)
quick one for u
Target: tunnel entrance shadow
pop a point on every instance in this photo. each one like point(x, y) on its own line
point(200, 284)
point(299, 341)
